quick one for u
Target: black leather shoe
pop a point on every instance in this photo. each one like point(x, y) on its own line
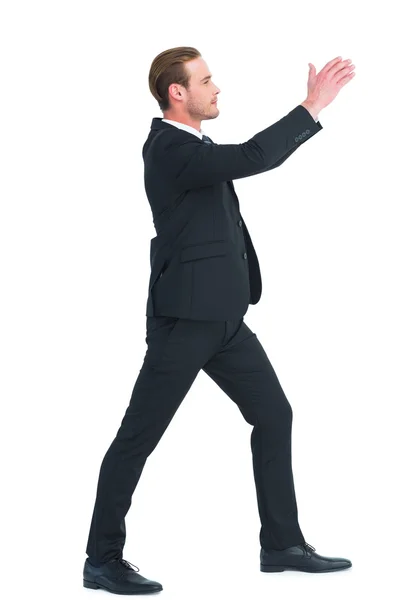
point(118, 577)
point(300, 558)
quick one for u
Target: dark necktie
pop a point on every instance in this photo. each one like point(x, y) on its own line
point(207, 140)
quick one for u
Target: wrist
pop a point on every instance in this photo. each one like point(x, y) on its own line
point(312, 108)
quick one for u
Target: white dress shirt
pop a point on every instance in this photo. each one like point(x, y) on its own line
point(186, 128)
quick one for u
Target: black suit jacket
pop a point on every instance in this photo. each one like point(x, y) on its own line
point(203, 263)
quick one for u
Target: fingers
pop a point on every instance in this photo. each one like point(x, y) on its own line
point(331, 64)
point(341, 68)
point(345, 79)
point(344, 74)
point(332, 68)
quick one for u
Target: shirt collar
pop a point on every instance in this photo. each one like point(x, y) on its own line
point(186, 127)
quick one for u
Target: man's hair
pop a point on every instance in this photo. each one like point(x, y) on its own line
point(169, 67)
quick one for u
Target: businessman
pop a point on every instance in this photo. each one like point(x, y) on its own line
point(204, 275)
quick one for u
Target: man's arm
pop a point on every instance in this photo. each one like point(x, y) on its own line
point(313, 111)
point(189, 163)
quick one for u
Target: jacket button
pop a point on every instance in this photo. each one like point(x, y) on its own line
point(245, 255)
point(296, 139)
point(240, 223)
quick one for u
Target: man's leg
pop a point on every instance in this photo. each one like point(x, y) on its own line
point(177, 349)
point(243, 371)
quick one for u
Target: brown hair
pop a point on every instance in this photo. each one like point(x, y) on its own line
point(169, 67)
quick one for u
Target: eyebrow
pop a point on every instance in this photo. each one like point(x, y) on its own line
point(204, 78)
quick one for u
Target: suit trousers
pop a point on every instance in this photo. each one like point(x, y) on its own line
point(231, 354)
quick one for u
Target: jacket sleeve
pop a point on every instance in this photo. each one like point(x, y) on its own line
point(190, 163)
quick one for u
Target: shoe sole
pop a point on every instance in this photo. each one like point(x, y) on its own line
point(95, 586)
point(277, 569)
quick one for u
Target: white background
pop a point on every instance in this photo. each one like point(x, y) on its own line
point(75, 230)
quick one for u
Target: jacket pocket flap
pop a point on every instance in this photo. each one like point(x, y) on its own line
point(206, 250)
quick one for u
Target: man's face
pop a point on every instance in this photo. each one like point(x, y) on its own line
point(200, 98)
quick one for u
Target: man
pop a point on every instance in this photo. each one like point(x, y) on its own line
point(204, 275)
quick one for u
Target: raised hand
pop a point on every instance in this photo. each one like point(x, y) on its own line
point(323, 87)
